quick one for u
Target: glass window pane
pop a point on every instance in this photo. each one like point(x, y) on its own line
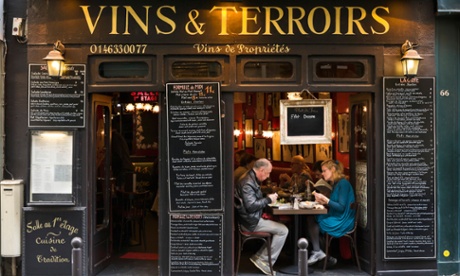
point(134, 69)
point(277, 70)
point(339, 69)
point(196, 69)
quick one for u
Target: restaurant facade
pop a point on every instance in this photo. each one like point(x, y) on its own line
point(220, 73)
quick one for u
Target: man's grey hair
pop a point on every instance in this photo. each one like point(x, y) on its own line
point(261, 163)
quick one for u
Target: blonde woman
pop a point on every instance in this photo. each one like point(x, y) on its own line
point(339, 218)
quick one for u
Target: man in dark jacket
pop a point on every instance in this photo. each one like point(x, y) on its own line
point(250, 212)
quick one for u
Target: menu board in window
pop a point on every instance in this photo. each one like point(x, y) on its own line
point(57, 102)
point(51, 167)
point(409, 150)
point(194, 146)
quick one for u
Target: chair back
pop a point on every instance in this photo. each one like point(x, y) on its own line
point(355, 206)
point(237, 204)
point(134, 205)
point(350, 234)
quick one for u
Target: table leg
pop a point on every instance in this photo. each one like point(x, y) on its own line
point(294, 269)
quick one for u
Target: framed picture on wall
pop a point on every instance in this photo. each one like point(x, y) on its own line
point(248, 132)
point(323, 151)
point(276, 104)
point(289, 151)
point(309, 153)
point(276, 146)
point(260, 108)
point(260, 147)
point(343, 132)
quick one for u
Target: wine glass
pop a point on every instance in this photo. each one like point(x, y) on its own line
point(291, 194)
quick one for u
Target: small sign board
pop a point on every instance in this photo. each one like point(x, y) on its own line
point(57, 102)
point(47, 236)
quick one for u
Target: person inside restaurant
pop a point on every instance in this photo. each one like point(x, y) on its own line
point(339, 218)
point(122, 166)
point(237, 159)
point(246, 163)
point(300, 181)
point(250, 212)
point(316, 169)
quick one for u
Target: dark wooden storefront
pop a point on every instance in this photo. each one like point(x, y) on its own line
point(229, 35)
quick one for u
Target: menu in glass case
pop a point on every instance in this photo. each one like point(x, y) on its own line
point(51, 166)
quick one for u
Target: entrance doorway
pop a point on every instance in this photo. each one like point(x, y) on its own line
point(124, 184)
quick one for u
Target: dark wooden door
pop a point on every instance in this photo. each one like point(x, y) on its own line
point(362, 174)
point(100, 182)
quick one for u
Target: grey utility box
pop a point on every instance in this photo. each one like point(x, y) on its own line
point(12, 200)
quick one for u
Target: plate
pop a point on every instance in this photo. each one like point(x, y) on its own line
point(279, 205)
point(307, 204)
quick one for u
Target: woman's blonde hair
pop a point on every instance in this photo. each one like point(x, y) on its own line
point(337, 173)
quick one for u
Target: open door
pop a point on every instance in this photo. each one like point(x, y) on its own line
point(99, 205)
point(362, 173)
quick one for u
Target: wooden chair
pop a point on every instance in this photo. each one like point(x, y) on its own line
point(350, 235)
point(244, 236)
point(132, 209)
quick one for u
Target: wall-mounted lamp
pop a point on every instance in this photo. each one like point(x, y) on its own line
point(147, 107)
point(267, 134)
point(410, 59)
point(156, 108)
point(55, 60)
point(236, 132)
point(294, 96)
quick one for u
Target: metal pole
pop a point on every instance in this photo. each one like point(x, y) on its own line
point(303, 256)
point(13, 266)
point(76, 257)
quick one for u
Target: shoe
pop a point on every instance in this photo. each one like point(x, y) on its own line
point(331, 261)
point(261, 265)
point(316, 256)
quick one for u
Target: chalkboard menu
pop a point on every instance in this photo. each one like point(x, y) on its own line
point(196, 244)
point(57, 102)
point(47, 235)
point(306, 121)
point(410, 206)
point(194, 146)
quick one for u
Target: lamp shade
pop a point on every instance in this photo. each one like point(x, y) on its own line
point(410, 62)
point(55, 63)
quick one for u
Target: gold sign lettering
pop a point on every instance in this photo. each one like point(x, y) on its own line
point(290, 20)
point(144, 26)
point(297, 21)
point(357, 22)
point(89, 22)
point(166, 20)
